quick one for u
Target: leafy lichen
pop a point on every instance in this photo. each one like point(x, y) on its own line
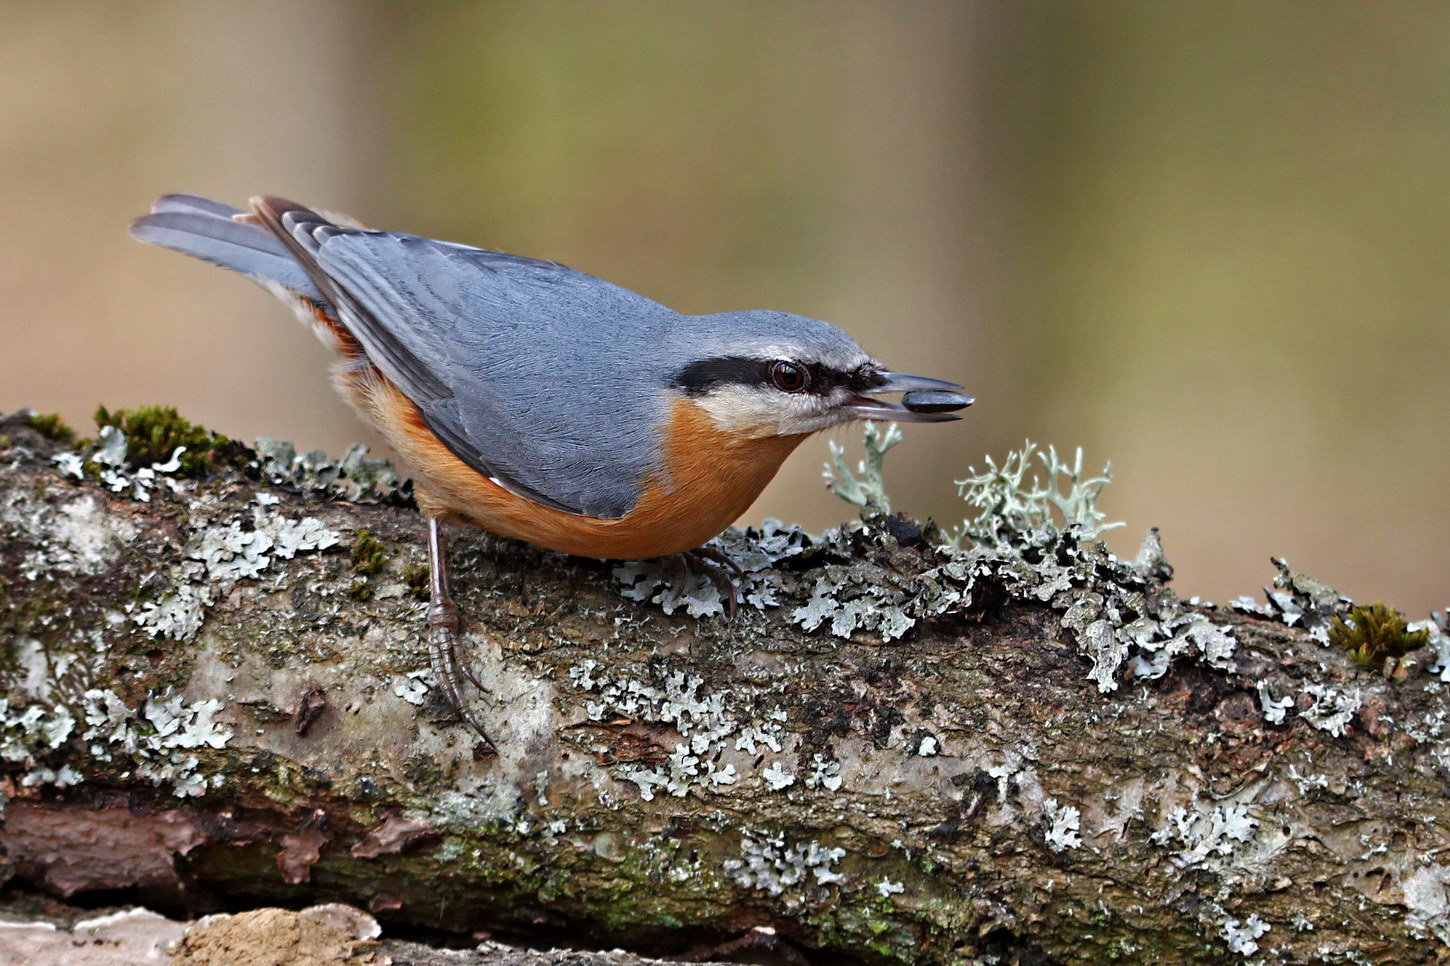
point(356, 477)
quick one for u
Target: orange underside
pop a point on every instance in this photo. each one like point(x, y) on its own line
point(712, 479)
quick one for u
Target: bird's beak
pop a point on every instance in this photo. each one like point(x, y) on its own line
point(926, 400)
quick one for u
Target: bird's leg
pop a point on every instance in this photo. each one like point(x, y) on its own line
point(717, 567)
point(443, 633)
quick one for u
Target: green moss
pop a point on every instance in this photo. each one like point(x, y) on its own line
point(368, 557)
point(1371, 633)
point(51, 426)
point(154, 432)
point(360, 591)
point(416, 577)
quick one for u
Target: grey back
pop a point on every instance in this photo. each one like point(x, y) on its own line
point(547, 379)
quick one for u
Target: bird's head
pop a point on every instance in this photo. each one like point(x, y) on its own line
point(774, 374)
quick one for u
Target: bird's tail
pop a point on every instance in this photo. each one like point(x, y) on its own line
point(224, 236)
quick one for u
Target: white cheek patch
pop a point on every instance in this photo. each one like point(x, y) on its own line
point(754, 412)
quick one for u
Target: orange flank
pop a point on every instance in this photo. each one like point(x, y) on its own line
point(712, 478)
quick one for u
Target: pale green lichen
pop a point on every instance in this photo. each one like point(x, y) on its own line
point(1206, 837)
point(111, 462)
point(1035, 537)
point(356, 477)
point(1017, 499)
point(1332, 710)
point(76, 536)
point(865, 486)
point(1438, 627)
point(1241, 936)
point(760, 583)
point(1274, 708)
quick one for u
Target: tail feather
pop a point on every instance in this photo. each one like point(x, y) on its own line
point(194, 203)
point(208, 230)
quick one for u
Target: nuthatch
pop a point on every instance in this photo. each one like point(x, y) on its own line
point(541, 403)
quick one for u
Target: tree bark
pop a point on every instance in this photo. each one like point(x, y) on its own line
point(898, 752)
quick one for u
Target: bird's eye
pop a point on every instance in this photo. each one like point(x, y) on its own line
point(789, 377)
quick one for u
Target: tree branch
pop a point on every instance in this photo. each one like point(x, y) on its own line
point(900, 752)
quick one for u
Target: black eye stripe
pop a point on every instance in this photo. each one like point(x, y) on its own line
point(699, 378)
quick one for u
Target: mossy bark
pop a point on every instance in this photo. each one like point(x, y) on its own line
point(664, 782)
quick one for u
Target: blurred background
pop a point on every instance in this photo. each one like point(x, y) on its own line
point(1207, 241)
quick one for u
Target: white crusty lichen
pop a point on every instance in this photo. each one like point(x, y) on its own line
point(1242, 936)
point(159, 736)
point(1301, 601)
point(232, 552)
point(1332, 710)
point(776, 777)
point(1274, 708)
point(1298, 601)
point(769, 864)
point(672, 697)
point(413, 687)
point(32, 730)
point(824, 773)
point(1037, 535)
point(1207, 837)
point(1438, 627)
point(227, 552)
point(178, 615)
point(1064, 825)
point(109, 456)
point(841, 600)
point(754, 554)
point(74, 536)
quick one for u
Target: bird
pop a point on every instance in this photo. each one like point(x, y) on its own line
point(541, 403)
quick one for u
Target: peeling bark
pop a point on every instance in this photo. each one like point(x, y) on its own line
point(206, 698)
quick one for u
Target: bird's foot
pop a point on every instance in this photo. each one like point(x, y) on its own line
point(443, 638)
point(443, 660)
point(717, 567)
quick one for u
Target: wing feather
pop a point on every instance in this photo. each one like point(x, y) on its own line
point(523, 368)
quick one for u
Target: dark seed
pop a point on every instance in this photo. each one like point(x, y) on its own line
point(935, 401)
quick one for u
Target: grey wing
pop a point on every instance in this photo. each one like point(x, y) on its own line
point(523, 368)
